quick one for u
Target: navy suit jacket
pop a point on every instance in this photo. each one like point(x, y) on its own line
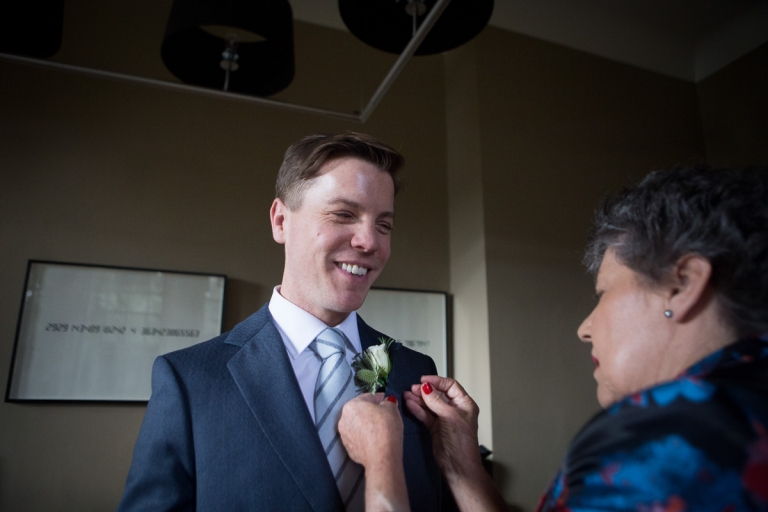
point(227, 428)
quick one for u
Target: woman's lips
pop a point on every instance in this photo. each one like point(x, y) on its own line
point(594, 360)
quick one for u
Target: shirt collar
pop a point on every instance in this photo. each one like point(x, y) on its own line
point(300, 328)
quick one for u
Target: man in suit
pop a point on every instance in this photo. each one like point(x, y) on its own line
point(239, 422)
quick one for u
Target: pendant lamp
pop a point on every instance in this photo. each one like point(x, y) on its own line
point(243, 46)
point(32, 27)
point(389, 24)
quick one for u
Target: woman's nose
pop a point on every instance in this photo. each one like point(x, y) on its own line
point(584, 332)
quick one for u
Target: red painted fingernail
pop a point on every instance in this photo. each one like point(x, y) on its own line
point(427, 387)
point(392, 399)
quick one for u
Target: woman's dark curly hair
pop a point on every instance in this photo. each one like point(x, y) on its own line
point(720, 214)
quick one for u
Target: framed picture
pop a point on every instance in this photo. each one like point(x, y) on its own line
point(418, 319)
point(91, 333)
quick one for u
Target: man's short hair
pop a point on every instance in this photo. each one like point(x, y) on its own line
point(304, 159)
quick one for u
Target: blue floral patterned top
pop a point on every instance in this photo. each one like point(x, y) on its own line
point(697, 443)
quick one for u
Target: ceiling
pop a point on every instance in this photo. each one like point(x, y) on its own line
point(686, 39)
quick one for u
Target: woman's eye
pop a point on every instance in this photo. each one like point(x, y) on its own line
point(343, 215)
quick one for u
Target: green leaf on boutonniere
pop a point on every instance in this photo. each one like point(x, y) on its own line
point(372, 367)
point(367, 376)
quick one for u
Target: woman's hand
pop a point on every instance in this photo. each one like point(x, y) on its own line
point(450, 414)
point(371, 430)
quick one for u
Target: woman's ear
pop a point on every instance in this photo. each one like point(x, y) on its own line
point(688, 289)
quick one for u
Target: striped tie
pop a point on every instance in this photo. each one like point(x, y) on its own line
point(335, 387)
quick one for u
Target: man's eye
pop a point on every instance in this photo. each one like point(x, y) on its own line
point(343, 215)
point(384, 227)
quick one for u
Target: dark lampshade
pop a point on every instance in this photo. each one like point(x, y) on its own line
point(258, 34)
point(31, 27)
point(388, 24)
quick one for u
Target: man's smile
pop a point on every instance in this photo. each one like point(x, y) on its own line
point(353, 268)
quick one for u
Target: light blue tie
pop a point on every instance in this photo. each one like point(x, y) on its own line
point(335, 386)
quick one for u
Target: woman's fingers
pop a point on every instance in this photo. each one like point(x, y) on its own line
point(433, 399)
point(453, 393)
point(372, 398)
point(440, 397)
point(418, 409)
point(450, 387)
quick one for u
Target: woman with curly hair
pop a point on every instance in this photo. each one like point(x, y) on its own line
point(679, 339)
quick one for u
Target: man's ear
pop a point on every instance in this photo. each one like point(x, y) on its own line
point(277, 216)
point(688, 289)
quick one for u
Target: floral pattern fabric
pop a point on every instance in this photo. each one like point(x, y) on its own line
point(697, 443)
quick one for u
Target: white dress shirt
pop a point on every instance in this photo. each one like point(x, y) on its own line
point(298, 330)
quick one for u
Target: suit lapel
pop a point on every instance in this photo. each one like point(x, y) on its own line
point(264, 375)
point(370, 336)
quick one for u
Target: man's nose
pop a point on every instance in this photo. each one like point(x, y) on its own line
point(365, 237)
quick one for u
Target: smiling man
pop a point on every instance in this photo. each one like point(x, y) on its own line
point(248, 420)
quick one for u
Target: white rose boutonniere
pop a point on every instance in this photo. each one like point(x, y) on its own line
point(373, 366)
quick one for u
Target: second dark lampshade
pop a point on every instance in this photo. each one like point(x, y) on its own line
point(388, 24)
